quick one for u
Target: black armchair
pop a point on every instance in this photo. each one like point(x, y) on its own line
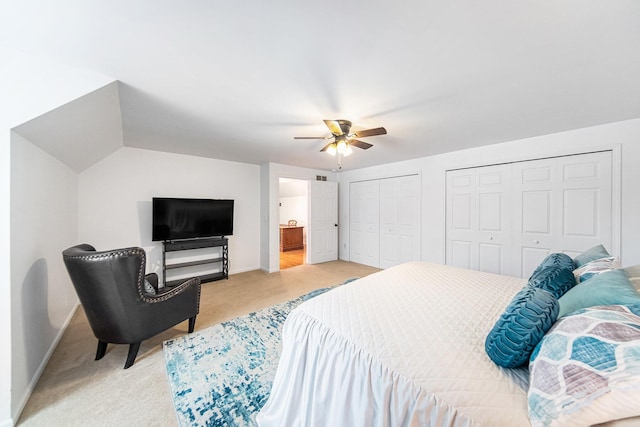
point(111, 288)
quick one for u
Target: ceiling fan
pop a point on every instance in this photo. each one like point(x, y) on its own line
point(343, 138)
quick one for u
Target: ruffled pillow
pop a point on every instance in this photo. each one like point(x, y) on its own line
point(529, 315)
point(557, 259)
point(554, 274)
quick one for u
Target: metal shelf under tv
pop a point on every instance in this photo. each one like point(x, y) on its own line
point(221, 258)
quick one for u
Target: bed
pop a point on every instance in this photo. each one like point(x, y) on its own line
point(402, 347)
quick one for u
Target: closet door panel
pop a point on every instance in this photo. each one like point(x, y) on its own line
point(460, 254)
point(490, 258)
point(460, 210)
point(478, 218)
point(364, 222)
point(399, 220)
point(563, 204)
point(507, 218)
point(581, 212)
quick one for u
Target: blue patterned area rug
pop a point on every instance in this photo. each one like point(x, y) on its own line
point(222, 376)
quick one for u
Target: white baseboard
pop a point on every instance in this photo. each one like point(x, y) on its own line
point(243, 270)
point(34, 380)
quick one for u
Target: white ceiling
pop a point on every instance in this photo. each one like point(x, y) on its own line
point(237, 80)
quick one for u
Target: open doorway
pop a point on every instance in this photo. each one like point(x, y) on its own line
point(293, 211)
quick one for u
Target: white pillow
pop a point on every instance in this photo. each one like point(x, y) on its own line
point(148, 288)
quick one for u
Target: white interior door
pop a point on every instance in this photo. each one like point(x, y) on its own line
point(322, 233)
point(478, 219)
point(364, 222)
point(563, 204)
point(399, 220)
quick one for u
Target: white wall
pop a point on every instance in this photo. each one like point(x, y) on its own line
point(30, 87)
point(115, 200)
point(624, 135)
point(44, 222)
point(294, 208)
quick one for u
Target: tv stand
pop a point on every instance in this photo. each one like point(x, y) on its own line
point(219, 256)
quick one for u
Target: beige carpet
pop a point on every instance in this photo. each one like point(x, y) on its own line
point(75, 390)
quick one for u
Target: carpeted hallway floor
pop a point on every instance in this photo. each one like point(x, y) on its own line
point(75, 390)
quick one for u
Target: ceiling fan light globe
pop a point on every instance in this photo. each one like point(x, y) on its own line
point(347, 151)
point(342, 147)
point(332, 149)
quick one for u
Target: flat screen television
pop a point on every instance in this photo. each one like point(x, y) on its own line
point(176, 219)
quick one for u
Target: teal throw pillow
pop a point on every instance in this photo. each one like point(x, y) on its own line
point(554, 274)
point(591, 254)
point(557, 259)
point(608, 288)
point(529, 315)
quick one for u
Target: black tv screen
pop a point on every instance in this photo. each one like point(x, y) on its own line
point(175, 219)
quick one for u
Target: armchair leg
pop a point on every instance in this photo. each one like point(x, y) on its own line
point(133, 352)
point(192, 323)
point(102, 349)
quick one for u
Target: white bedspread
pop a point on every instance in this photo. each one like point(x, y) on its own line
point(402, 347)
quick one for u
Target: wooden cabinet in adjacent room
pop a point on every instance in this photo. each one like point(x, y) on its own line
point(291, 238)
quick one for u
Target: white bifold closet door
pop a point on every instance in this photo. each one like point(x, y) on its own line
point(479, 218)
point(364, 222)
point(506, 218)
point(399, 220)
point(562, 204)
point(384, 221)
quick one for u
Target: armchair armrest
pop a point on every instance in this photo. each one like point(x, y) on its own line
point(169, 291)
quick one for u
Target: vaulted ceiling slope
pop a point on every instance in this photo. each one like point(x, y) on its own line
point(81, 132)
point(238, 80)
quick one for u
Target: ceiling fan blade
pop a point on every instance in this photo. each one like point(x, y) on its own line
point(310, 137)
point(360, 144)
point(370, 132)
point(326, 147)
point(334, 126)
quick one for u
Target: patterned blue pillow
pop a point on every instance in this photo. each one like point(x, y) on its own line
point(529, 315)
point(554, 274)
point(586, 370)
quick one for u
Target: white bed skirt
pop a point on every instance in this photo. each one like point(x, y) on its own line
point(379, 397)
point(402, 347)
